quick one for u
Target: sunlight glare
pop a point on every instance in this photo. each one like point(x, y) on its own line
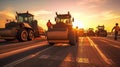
point(77, 23)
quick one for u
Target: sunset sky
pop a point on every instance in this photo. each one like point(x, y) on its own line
point(87, 13)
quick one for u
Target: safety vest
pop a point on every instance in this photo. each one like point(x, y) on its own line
point(49, 24)
point(117, 28)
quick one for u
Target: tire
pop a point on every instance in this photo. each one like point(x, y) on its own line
point(72, 38)
point(50, 43)
point(30, 35)
point(105, 34)
point(22, 35)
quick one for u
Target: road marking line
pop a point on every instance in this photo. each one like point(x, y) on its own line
point(108, 61)
point(111, 44)
point(44, 56)
point(12, 64)
point(111, 40)
point(68, 59)
point(56, 58)
point(82, 60)
point(103, 39)
point(81, 41)
point(3, 55)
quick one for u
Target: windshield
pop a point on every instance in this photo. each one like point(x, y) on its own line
point(20, 19)
point(100, 27)
point(63, 20)
point(24, 19)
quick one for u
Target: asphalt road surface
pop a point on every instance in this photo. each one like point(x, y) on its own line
point(89, 52)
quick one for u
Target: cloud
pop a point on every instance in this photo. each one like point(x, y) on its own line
point(41, 12)
point(90, 2)
point(110, 15)
point(91, 6)
point(7, 14)
point(4, 15)
point(105, 15)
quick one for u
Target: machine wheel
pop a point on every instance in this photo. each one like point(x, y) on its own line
point(30, 35)
point(50, 43)
point(105, 34)
point(72, 38)
point(22, 35)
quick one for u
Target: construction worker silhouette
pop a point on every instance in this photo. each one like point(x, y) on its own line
point(116, 28)
point(49, 25)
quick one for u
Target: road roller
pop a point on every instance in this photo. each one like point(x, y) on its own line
point(62, 31)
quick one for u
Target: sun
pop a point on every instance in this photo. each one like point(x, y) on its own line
point(78, 24)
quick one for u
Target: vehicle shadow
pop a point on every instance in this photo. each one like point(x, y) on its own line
point(61, 55)
point(4, 42)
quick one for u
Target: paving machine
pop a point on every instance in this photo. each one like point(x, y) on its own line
point(24, 29)
point(90, 32)
point(62, 31)
point(101, 31)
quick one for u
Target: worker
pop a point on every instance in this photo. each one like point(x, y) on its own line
point(49, 25)
point(116, 28)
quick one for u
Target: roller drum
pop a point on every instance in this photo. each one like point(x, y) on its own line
point(57, 35)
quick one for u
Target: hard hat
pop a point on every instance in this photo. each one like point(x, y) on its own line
point(116, 23)
point(48, 20)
